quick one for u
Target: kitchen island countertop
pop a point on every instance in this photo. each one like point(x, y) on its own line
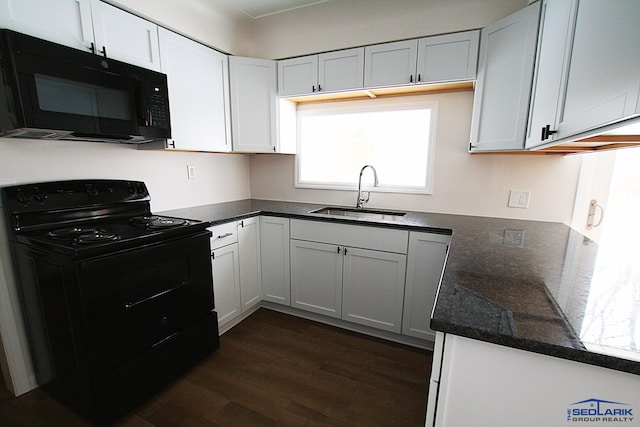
point(532, 285)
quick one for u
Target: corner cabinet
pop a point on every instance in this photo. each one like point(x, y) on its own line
point(235, 263)
point(89, 25)
point(249, 262)
point(503, 86)
point(603, 79)
point(580, 80)
point(198, 81)
point(426, 259)
point(254, 106)
point(354, 273)
point(274, 247)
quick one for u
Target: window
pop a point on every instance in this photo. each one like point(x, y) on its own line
point(397, 137)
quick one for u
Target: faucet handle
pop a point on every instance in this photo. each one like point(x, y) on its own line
point(363, 198)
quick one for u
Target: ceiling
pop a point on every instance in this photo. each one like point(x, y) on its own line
point(260, 8)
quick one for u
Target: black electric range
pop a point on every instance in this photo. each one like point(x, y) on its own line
point(117, 301)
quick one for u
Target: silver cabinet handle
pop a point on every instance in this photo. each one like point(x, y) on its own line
point(593, 209)
point(224, 235)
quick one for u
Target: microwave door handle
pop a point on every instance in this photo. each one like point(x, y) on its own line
point(144, 112)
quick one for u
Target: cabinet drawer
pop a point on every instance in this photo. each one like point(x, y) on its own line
point(224, 234)
point(382, 239)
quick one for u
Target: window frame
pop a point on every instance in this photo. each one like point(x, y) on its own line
point(381, 104)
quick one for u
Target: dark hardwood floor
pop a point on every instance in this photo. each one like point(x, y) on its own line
point(273, 370)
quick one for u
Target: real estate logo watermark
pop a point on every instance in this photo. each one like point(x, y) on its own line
point(600, 411)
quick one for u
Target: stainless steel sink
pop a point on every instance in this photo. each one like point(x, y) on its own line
point(361, 213)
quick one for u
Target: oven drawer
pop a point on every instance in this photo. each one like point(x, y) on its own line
point(132, 300)
point(224, 234)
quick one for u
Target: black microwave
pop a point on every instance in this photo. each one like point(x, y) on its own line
point(49, 91)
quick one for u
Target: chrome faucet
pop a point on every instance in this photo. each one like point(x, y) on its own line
point(361, 198)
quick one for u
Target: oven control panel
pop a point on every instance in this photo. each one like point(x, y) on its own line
point(63, 195)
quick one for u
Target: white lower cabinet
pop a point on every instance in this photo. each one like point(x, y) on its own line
point(274, 251)
point(316, 277)
point(235, 263)
point(427, 255)
point(226, 283)
point(373, 288)
point(353, 273)
point(484, 385)
point(377, 277)
point(226, 272)
point(249, 262)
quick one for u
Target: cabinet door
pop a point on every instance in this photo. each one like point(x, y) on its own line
point(298, 76)
point(550, 69)
point(603, 84)
point(341, 70)
point(373, 288)
point(253, 104)
point(274, 248)
point(125, 37)
point(66, 22)
point(198, 81)
point(448, 58)
point(316, 277)
point(226, 283)
point(503, 86)
point(249, 259)
point(426, 258)
point(390, 64)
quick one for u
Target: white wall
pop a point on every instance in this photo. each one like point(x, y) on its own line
point(464, 183)
point(339, 24)
point(213, 22)
point(219, 177)
point(468, 184)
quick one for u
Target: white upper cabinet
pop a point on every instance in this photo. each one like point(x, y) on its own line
point(66, 22)
point(86, 24)
point(449, 57)
point(327, 72)
point(503, 86)
point(436, 59)
point(341, 70)
point(125, 37)
point(198, 81)
point(584, 74)
point(603, 81)
point(390, 64)
point(253, 104)
point(298, 76)
point(550, 70)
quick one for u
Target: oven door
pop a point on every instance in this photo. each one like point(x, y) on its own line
point(132, 301)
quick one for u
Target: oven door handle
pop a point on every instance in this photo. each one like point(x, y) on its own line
point(159, 294)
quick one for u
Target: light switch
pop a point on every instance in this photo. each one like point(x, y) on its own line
point(191, 171)
point(519, 199)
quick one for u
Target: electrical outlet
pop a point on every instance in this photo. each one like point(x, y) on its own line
point(519, 199)
point(514, 237)
point(191, 172)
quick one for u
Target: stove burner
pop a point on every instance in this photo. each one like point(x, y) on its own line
point(159, 223)
point(96, 237)
point(69, 233)
point(143, 220)
point(155, 222)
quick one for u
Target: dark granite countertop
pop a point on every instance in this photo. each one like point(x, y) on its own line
point(541, 292)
